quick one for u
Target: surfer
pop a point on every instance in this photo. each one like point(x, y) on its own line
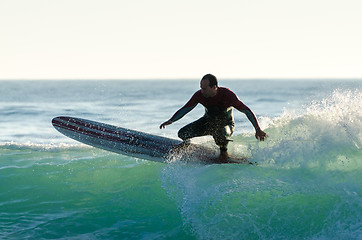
point(218, 120)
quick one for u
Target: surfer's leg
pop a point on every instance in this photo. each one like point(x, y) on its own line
point(194, 129)
point(221, 137)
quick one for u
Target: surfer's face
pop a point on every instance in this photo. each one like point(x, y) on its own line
point(206, 90)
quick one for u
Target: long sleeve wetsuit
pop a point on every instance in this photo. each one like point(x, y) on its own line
point(219, 106)
point(218, 120)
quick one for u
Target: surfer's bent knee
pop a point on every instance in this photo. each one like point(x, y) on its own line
point(183, 134)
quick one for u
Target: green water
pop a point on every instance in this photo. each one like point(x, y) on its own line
point(85, 193)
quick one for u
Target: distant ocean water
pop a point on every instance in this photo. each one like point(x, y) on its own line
point(308, 183)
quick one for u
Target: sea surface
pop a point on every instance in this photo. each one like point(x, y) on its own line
point(307, 184)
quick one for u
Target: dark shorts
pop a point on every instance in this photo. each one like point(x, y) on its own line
point(219, 130)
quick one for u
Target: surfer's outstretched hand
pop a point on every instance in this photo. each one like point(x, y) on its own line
point(163, 125)
point(260, 135)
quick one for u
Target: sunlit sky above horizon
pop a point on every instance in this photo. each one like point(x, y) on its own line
point(165, 39)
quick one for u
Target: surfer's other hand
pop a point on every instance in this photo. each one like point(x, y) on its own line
point(260, 135)
point(163, 125)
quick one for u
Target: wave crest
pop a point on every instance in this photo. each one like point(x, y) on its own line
point(326, 133)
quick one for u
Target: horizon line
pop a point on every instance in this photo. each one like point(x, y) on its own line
point(186, 79)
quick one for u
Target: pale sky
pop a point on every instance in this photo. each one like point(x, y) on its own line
point(133, 39)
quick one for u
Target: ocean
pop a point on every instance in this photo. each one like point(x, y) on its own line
point(307, 184)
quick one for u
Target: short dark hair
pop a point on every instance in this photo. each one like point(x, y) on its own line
point(212, 80)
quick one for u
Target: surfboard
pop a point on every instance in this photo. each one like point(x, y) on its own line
point(135, 143)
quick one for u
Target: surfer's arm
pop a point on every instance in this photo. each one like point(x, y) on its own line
point(191, 104)
point(261, 135)
point(239, 105)
point(250, 115)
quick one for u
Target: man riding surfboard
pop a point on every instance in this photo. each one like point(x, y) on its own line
point(218, 120)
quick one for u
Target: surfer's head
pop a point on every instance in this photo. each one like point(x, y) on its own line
point(209, 85)
point(212, 80)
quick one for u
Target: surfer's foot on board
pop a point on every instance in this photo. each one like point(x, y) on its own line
point(223, 157)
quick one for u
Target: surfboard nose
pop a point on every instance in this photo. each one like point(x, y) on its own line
point(60, 120)
point(55, 120)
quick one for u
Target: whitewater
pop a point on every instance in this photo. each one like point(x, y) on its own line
point(307, 184)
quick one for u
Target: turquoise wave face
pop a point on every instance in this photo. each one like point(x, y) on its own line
point(81, 192)
point(92, 193)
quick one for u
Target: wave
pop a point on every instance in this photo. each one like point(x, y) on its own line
point(74, 156)
point(327, 133)
point(307, 184)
